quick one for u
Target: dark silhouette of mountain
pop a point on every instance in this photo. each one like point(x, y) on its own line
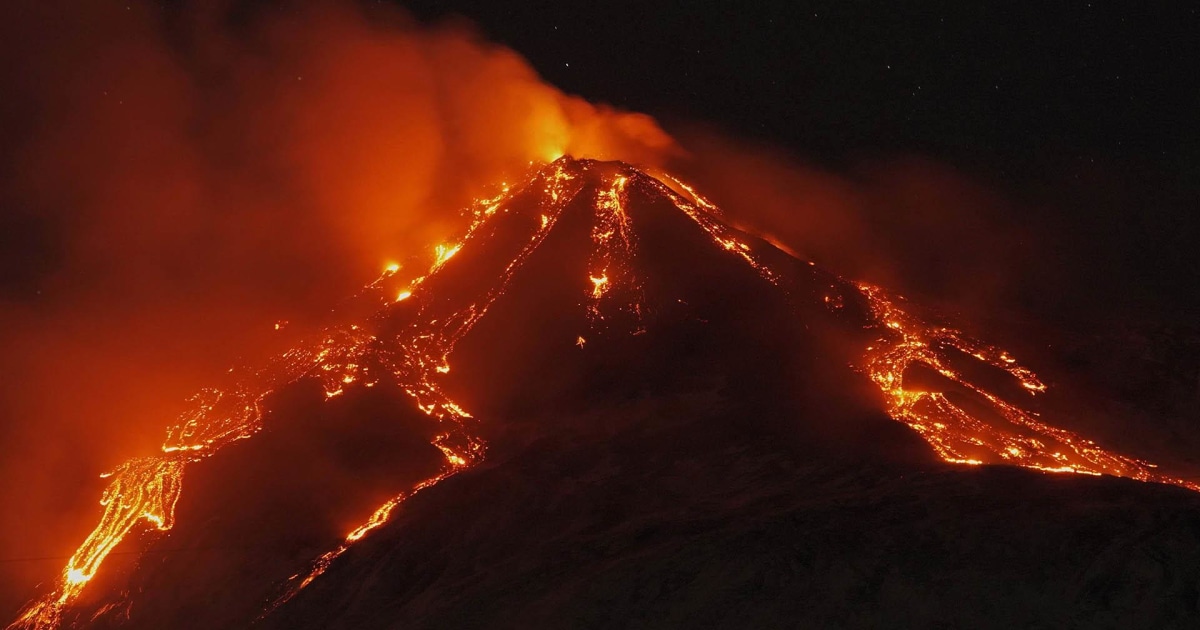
point(679, 431)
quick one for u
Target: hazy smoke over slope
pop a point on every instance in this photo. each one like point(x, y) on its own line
point(192, 175)
point(906, 222)
point(179, 179)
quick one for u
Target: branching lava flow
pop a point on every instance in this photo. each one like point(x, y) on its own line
point(143, 492)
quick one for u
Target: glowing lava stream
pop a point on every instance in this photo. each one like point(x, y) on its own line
point(956, 435)
point(610, 268)
point(143, 492)
point(561, 189)
point(147, 489)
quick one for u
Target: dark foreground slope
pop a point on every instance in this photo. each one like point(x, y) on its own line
point(712, 529)
point(727, 469)
point(681, 444)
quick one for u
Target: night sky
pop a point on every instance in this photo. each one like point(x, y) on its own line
point(1084, 113)
point(970, 81)
point(181, 179)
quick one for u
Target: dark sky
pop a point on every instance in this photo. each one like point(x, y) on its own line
point(1083, 112)
point(1114, 80)
point(1082, 117)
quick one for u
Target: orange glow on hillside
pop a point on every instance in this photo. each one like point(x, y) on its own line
point(956, 435)
point(142, 492)
point(960, 436)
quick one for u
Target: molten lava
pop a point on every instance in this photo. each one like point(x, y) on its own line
point(967, 423)
point(956, 434)
point(611, 265)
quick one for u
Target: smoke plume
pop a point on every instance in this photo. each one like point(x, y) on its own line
point(179, 179)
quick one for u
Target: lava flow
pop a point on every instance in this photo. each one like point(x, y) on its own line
point(966, 423)
point(960, 436)
point(611, 266)
point(145, 490)
point(1004, 433)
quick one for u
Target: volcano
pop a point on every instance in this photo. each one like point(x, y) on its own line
point(606, 406)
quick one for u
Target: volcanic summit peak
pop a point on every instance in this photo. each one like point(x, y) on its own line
point(638, 218)
point(580, 246)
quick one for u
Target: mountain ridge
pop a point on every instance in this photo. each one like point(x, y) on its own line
point(576, 297)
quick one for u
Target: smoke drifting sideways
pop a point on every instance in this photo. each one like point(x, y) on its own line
point(180, 179)
point(908, 222)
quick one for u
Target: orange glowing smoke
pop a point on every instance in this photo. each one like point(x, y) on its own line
point(329, 139)
point(147, 489)
point(201, 179)
point(144, 491)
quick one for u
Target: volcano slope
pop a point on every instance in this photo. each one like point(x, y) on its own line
point(628, 413)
